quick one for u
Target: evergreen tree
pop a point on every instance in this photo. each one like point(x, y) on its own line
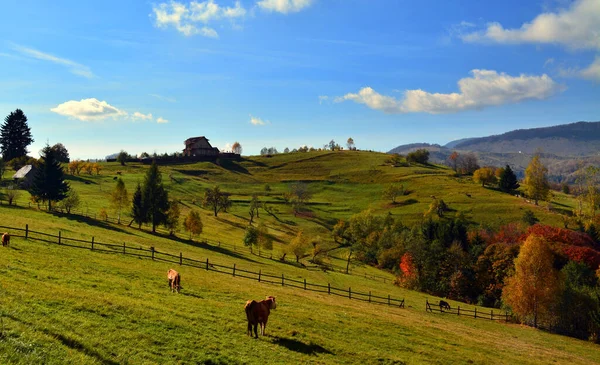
point(15, 135)
point(155, 198)
point(139, 211)
point(49, 180)
point(508, 180)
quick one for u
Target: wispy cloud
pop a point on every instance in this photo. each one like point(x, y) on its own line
point(161, 120)
point(165, 98)
point(141, 116)
point(323, 98)
point(485, 88)
point(592, 72)
point(194, 18)
point(575, 27)
point(284, 6)
point(74, 67)
point(257, 121)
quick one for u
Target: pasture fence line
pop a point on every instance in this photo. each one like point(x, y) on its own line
point(273, 254)
point(235, 271)
point(498, 316)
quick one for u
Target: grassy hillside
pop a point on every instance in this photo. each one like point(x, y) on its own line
point(343, 183)
point(65, 305)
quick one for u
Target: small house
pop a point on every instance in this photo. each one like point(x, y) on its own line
point(199, 147)
point(24, 176)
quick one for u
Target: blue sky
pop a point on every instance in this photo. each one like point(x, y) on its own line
point(144, 76)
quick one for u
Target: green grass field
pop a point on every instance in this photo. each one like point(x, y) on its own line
point(66, 305)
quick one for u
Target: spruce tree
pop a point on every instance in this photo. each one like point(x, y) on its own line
point(508, 180)
point(49, 179)
point(15, 135)
point(155, 198)
point(139, 212)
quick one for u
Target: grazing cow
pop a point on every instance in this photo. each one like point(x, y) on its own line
point(444, 305)
point(5, 239)
point(174, 280)
point(258, 313)
point(467, 194)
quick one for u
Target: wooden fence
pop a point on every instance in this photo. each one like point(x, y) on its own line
point(271, 254)
point(498, 316)
point(235, 271)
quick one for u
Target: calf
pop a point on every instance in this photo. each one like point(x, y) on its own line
point(5, 239)
point(174, 280)
point(444, 305)
point(258, 313)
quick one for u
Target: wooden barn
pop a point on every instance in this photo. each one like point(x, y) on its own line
point(199, 147)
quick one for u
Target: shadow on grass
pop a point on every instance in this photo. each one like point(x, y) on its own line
point(90, 221)
point(80, 179)
point(301, 347)
point(191, 295)
point(208, 247)
point(231, 165)
point(67, 341)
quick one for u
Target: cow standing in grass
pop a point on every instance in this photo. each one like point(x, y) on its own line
point(258, 313)
point(5, 239)
point(174, 280)
point(444, 305)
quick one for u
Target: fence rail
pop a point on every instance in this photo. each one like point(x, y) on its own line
point(498, 316)
point(235, 271)
point(273, 255)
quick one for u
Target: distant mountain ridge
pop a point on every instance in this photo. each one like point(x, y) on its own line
point(561, 147)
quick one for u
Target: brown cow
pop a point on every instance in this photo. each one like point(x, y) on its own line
point(174, 280)
point(258, 313)
point(5, 239)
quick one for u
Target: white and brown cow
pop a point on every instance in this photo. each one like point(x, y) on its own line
point(174, 280)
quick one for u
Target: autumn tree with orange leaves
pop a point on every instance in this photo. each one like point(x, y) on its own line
point(534, 287)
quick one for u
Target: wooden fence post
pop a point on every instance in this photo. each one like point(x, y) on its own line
point(349, 293)
point(369, 296)
point(328, 288)
point(259, 272)
point(475, 312)
point(492, 315)
point(59, 237)
point(26, 231)
point(152, 249)
point(233, 270)
point(304, 284)
point(282, 280)
point(92, 243)
point(458, 313)
point(207, 264)
point(506, 316)
point(180, 258)
point(389, 303)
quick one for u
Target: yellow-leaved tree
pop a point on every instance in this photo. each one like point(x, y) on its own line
point(534, 287)
point(536, 180)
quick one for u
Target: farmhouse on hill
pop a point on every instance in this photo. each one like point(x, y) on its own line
point(24, 176)
point(199, 147)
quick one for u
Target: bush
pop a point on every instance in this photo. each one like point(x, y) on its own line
point(419, 156)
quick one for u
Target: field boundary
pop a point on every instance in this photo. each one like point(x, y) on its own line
point(235, 271)
point(216, 243)
point(499, 316)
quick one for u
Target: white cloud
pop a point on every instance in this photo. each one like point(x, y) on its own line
point(161, 120)
point(141, 116)
point(257, 121)
point(89, 110)
point(185, 18)
point(484, 88)
point(576, 27)
point(323, 98)
point(284, 6)
point(74, 67)
point(592, 72)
